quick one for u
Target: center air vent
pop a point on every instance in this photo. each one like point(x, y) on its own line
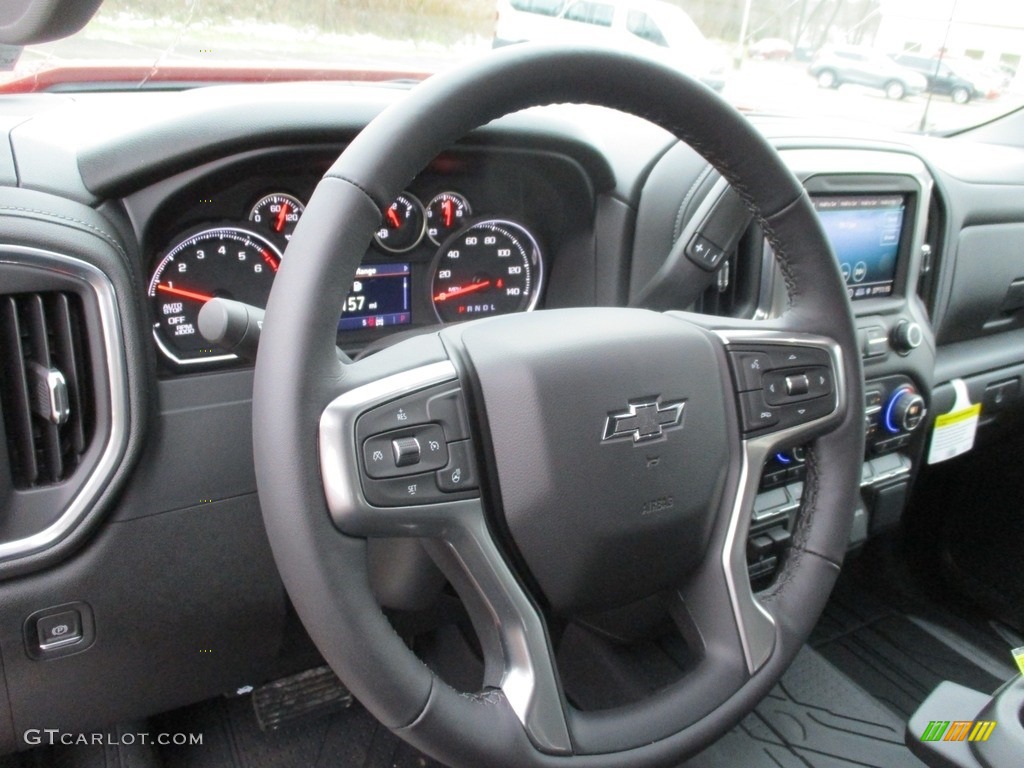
point(44, 386)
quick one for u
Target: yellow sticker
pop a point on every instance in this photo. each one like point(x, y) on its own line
point(955, 417)
point(1018, 656)
point(953, 433)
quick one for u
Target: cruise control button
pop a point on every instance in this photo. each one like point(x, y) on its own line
point(406, 412)
point(381, 453)
point(460, 473)
point(406, 451)
point(402, 491)
point(378, 457)
point(757, 414)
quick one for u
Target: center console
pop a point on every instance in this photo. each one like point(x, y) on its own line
point(873, 207)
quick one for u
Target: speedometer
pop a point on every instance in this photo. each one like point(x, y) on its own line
point(222, 262)
point(492, 267)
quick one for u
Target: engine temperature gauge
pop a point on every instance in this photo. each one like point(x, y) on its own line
point(278, 213)
point(446, 212)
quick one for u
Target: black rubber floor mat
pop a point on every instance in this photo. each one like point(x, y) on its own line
point(814, 718)
point(232, 739)
point(898, 649)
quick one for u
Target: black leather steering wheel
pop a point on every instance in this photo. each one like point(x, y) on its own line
point(617, 452)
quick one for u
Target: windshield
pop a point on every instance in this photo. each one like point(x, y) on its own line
point(932, 66)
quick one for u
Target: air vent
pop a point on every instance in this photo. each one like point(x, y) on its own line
point(44, 386)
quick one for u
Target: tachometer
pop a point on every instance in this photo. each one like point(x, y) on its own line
point(225, 261)
point(489, 268)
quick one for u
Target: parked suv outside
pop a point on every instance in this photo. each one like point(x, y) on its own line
point(833, 67)
point(635, 24)
point(951, 79)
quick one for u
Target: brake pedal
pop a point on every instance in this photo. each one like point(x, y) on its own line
point(314, 692)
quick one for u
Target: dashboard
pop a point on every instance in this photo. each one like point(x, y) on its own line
point(474, 235)
point(111, 239)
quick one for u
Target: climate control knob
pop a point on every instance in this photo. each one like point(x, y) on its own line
point(905, 411)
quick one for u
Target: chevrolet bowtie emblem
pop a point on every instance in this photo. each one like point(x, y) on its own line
point(644, 420)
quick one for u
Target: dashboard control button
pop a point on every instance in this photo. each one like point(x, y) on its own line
point(759, 546)
point(749, 367)
point(804, 411)
point(906, 336)
point(757, 414)
point(59, 629)
point(769, 500)
point(704, 253)
point(875, 342)
point(819, 382)
point(406, 451)
point(779, 536)
point(403, 491)
point(904, 412)
point(420, 448)
point(460, 472)
point(397, 414)
point(797, 385)
point(799, 357)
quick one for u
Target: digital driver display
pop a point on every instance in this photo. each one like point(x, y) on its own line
point(380, 296)
point(865, 232)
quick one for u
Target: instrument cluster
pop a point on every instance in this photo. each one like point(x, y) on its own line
point(471, 250)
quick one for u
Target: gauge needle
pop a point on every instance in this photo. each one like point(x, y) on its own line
point(392, 218)
point(204, 297)
point(281, 216)
point(444, 295)
point(447, 207)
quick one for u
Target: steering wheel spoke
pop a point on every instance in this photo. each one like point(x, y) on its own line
point(518, 655)
point(790, 388)
point(396, 457)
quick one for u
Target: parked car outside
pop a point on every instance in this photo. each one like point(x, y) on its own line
point(956, 79)
point(771, 49)
point(633, 24)
point(857, 65)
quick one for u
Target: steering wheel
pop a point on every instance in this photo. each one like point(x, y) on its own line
point(604, 454)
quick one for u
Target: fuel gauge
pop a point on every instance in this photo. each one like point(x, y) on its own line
point(402, 227)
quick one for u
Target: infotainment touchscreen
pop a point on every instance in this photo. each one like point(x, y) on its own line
point(379, 297)
point(865, 232)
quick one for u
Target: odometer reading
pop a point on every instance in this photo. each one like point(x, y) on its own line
point(223, 262)
point(490, 268)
